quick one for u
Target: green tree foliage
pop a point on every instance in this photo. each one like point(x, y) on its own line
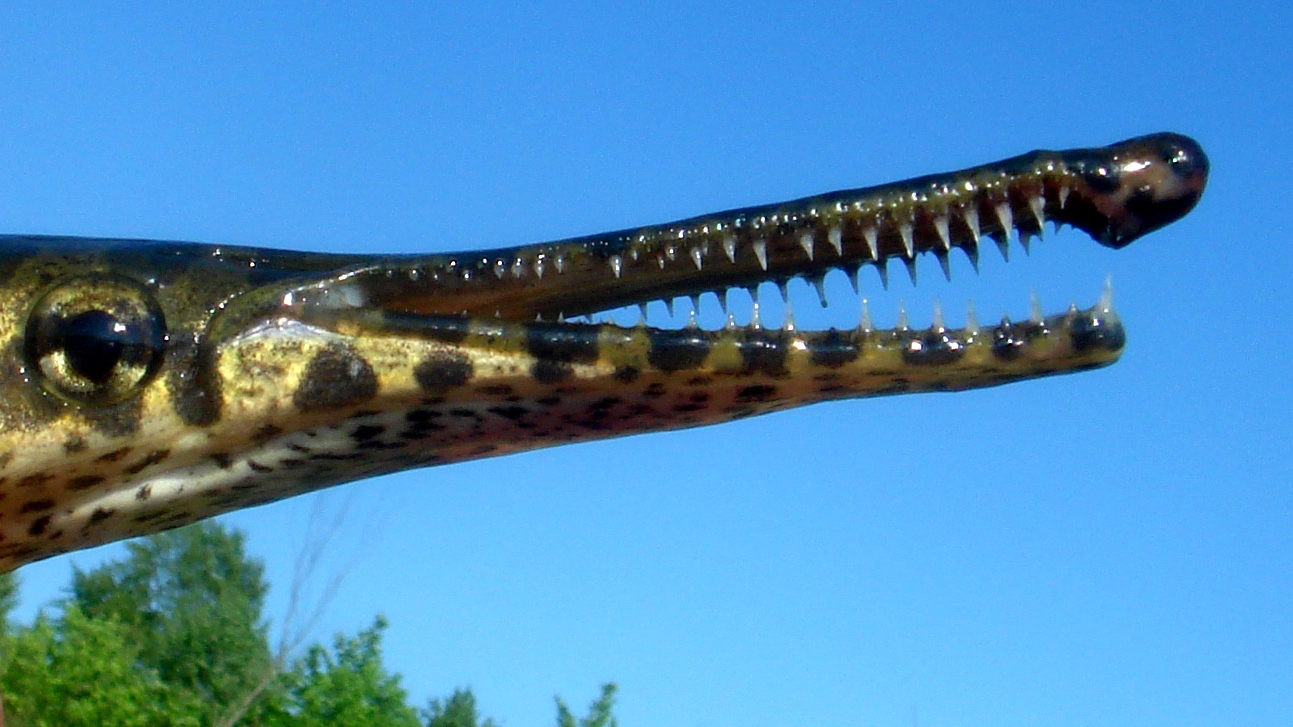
point(173, 635)
point(600, 712)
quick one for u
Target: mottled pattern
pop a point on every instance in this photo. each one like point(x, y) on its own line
point(145, 385)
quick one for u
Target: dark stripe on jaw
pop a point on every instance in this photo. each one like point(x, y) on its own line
point(562, 342)
point(764, 351)
point(833, 348)
point(678, 350)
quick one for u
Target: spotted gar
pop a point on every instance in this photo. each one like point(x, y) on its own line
point(146, 384)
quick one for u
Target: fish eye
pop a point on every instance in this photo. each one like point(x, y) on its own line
point(96, 339)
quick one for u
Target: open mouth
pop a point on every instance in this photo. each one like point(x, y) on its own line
point(1115, 194)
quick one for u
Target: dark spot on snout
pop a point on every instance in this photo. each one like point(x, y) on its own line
point(764, 351)
point(932, 348)
point(334, 378)
point(442, 371)
point(1089, 331)
point(678, 350)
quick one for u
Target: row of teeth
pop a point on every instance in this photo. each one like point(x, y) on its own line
point(834, 237)
point(969, 213)
point(1036, 314)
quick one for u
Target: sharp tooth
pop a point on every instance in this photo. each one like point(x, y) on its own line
point(695, 257)
point(971, 215)
point(944, 264)
point(1006, 218)
point(633, 253)
point(972, 252)
point(1035, 309)
point(761, 252)
point(671, 252)
point(559, 263)
point(668, 306)
point(1002, 246)
point(971, 320)
point(788, 321)
point(1064, 195)
point(905, 231)
point(755, 323)
point(660, 259)
point(538, 267)
point(836, 239)
point(806, 242)
point(882, 267)
point(518, 267)
point(691, 320)
point(869, 234)
point(911, 269)
point(784, 289)
point(695, 302)
point(937, 326)
point(864, 325)
point(820, 285)
point(617, 265)
point(1038, 206)
point(852, 273)
point(642, 313)
point(1105, 304)
point(722, 300)
point(1026, 242)
point(902, 317)
point(944, 237)
point(729, 247)
point(500, 268)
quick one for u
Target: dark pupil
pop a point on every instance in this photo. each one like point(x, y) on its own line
point(94, 342)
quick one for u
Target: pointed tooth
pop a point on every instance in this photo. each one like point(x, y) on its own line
point(518, 267)
point(836, 238)
point(784, 289)
point(661, 261)
point(695, 302)
point(731, 322)
point(869, 234)
point(642, 313)
point(901, 323)
point(559, 263)
point(971, 215)
point(905, 231)
point(864, 324)
point(1006, 218)
point(971, 320)
point(754, 317)
point(500, 268)
point(1026, 242)
point(972, 252)
point(945, 264)
point(944, 236)
point(538, 267)
point(668, 306)
point(561, 317)
point(1064, 195)
point(761, 252)
point(1105, 304)
point(820, 285)
point(729, 247)
point(633, 253)
point(691, 320)
point(695, 257)
point(852, 273)
point(806, 242)
point(937, 325)
point(882, 267)
point(1038, 206)
point(671, 252)
point(788, 318)
point(1003, 246)
point(617, 265)
point(1035, 309)
point(911, 269)
point(722, 300)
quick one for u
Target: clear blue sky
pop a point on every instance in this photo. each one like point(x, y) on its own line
point(1114, 548)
